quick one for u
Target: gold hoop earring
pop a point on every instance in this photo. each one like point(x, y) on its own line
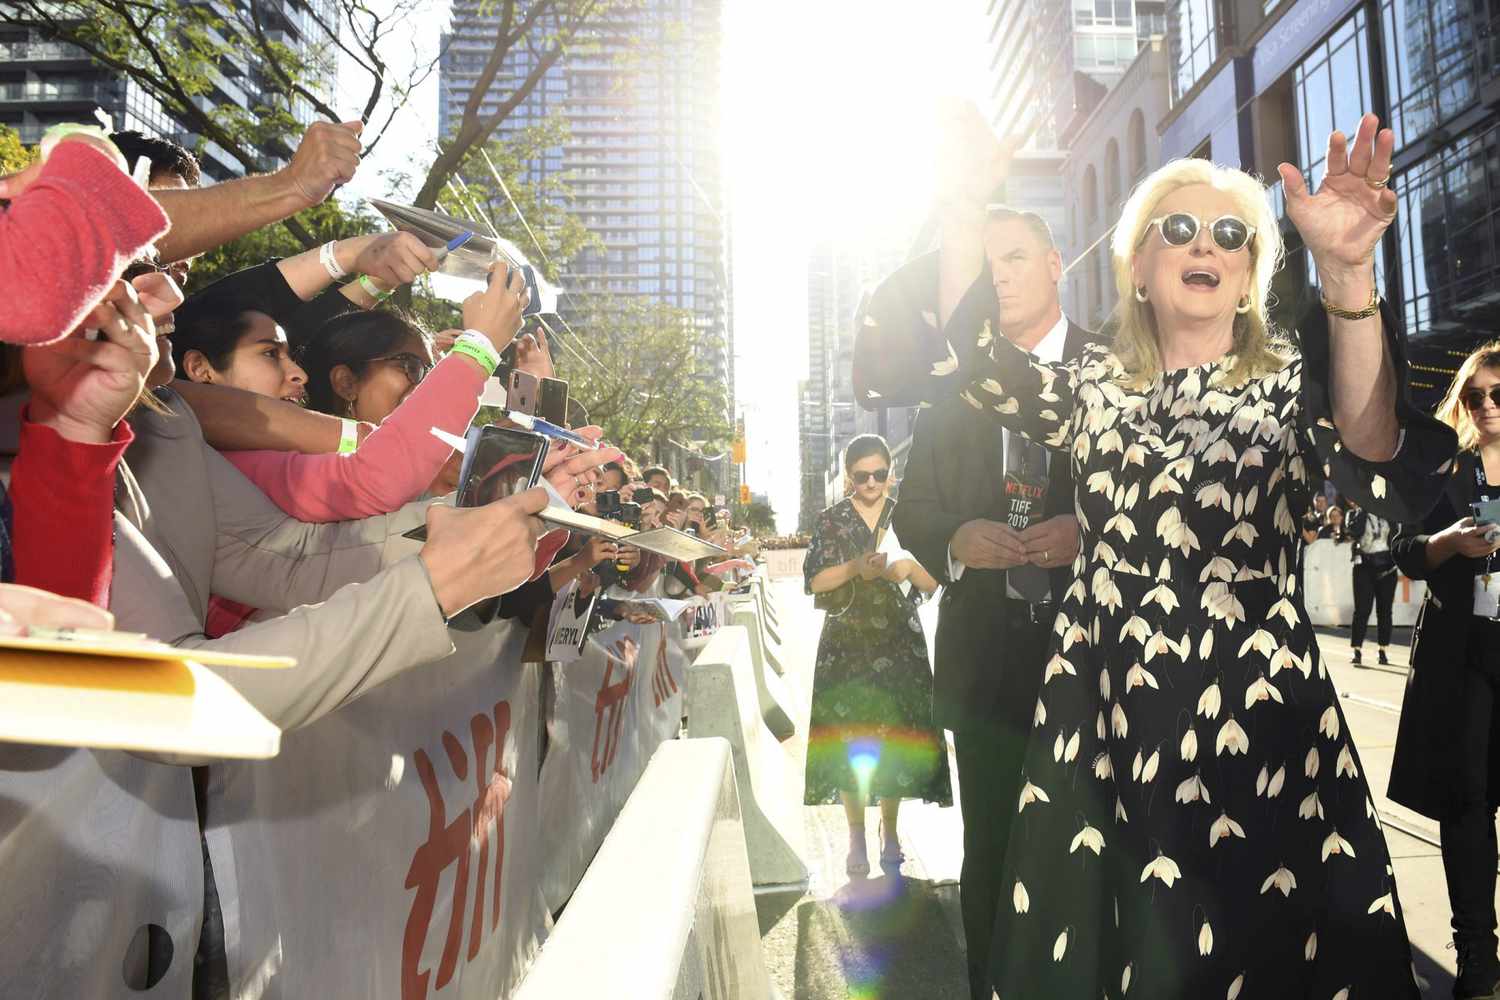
point(1243, 306)
point(1140, 293)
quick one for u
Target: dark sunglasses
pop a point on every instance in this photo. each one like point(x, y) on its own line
point(879, 475)
point(413, 367)
point(1474, 398)
point(1179, 229)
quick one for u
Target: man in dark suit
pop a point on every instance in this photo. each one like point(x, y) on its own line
point(1001, 584)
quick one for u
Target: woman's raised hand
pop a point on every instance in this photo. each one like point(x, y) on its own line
point(497, 311)
point(1342, 223)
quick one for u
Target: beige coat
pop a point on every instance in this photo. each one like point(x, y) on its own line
point(357, 602)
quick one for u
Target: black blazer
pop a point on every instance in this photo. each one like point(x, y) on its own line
point(955, 472)
point(1425, 775)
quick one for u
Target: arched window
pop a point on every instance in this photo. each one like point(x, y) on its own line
point(1112, 174)
point(1090, 195)
point(1136, 139)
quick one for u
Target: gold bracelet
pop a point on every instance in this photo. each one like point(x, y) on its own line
point(1369, 310)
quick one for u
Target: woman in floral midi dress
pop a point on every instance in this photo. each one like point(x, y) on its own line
point(1194, 819)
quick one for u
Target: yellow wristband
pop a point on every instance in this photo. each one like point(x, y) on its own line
point(349, 439)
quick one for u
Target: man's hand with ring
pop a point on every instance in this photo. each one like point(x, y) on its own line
point(1053, 542)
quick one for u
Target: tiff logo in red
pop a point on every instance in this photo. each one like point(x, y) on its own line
point(450, 843)
point(609, 705)
point(663, 684)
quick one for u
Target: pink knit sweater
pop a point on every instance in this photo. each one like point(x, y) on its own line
point(66, 240)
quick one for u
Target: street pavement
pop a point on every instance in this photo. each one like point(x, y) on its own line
point(888, 938)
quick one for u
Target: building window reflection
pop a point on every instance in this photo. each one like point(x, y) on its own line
point(1331, 88)
point(1429, 61)
point(1192, 30)
point(1447, 233)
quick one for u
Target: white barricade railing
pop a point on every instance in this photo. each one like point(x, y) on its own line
point(722, 701)
point(393, 849)
point(611, 711)
point(412, 844)
point(666, 910)
point(1328, 575)
point(770, 690)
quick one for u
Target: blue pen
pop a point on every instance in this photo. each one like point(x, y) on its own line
point(549, 429)
point(453, 245)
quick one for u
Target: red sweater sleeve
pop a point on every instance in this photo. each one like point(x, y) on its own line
point(66, 239)
point(62, 495)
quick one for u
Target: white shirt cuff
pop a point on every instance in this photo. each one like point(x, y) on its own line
point(955, 568)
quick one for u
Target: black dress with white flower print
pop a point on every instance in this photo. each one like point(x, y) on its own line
point(1194, 821)
point(871, 726)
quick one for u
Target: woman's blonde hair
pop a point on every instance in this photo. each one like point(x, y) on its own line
point(1452, 410)
point(1257, 348)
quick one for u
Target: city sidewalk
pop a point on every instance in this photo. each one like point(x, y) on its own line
point(895, 939)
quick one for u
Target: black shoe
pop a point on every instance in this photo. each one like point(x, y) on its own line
point(1478, 972)
point(1383, 660)
point(1358, 662)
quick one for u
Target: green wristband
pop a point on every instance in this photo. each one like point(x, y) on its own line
point(375, 292)
point(476, 345)
point(349, 438)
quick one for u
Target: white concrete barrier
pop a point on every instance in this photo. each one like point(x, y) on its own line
point(666, 910)
point(1329, 578)
point(770, 690)
point(722, 701)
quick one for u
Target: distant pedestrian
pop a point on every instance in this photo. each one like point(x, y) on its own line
point(1374, 578)
point(871, 733)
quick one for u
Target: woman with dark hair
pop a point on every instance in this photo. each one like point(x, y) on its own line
point(1447, 762)
point(870, 734)
point(228, 341)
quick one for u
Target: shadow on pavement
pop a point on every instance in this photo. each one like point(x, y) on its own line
point(1436, 981)
point(879, 939)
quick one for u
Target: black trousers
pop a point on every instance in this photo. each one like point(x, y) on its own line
point(989, 759)
point(1470, 853)
point(1370, 588)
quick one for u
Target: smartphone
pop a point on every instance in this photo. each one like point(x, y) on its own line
point(643, 496)
point(534, 304)
point(1486, 512)
point(521, 393)
point(498, 462)
point(552, 401)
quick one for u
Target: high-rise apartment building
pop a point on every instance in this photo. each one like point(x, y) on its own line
point(44, 81)
point(1051, 63)
point(839, 276)
point(640, 99)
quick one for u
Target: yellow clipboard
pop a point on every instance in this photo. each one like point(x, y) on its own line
point(167, 706)
point(141, 650)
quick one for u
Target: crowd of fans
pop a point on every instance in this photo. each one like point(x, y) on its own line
point(236, 469)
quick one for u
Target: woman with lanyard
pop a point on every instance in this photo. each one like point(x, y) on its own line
point(1447, 763)
point(1374, 579)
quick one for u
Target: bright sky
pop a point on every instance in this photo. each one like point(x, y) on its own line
point(826, 130)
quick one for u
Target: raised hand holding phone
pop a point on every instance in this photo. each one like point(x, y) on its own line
point(496, 311)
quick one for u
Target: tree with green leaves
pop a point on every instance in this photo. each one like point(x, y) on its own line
point(640, 369)
point(184, 53)
point(14, 155)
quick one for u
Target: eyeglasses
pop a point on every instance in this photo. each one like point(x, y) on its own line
point(879, 475)
point(1474, 398)
point(1179, 229)
point(414, 368)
